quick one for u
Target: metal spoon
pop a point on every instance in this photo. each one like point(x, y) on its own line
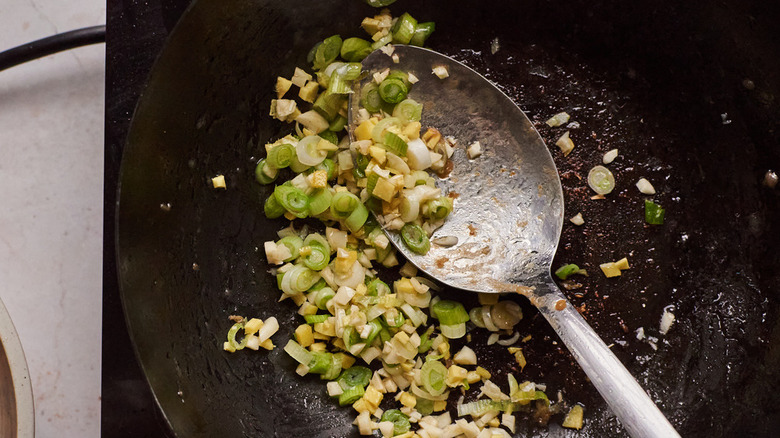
point(508, 218)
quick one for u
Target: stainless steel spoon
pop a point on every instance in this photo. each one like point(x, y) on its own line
point(508, 217)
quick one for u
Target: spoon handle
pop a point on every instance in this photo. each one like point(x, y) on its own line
point(633, 407)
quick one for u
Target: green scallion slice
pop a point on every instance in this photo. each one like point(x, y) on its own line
point(323, 296)
point(408, 110)
point(377, 288)
point(264, 173)
point(415, 238)
point(566, 270)
point(371, 180)
point(449, 312)
point(654, 213)
point(438, 208)
point(343, 204)
point(327, 52)
point(328, 166)
point(601, 180)
point(297, 352)
point(280, 156)
point(231, 336)
point(370, 98)
point(272, 208)
point(354, 376)
point(422, 32)
point(355, 49)
point(434, 375)
point(351, 395)
point(293, 200)
point(293, 243)
point(317, 259)
point(315, 319)
point(320, 362)
point(403, 29)
point(337, 124)
point(400, 421)
point(357, 218)
point(393, 90)
point(319, 201)
point(395, 144)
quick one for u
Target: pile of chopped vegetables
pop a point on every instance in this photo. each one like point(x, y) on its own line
point(384, 349)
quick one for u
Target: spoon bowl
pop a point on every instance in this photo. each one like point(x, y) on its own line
point(507, 217)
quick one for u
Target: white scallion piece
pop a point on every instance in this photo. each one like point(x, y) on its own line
point(441, 72)
point(645, 187)
point(577, 219)
point(558, 119)
point(412, 78)
point(565, 143)
point(610, 156)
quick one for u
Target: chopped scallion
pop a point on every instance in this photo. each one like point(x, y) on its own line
point(293, 200)
point(403, 29)
point(400, 421)
point(566, 270)
point(327, 52)
point(393, 90)
point(280, 156)
point(449, 312)
point(654, 214)
point(355, 49)
point(422, 32)
point(264, 173)
point(272, 208)
point(434, 375)
point(415, 238)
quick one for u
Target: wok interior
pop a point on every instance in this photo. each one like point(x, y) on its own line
point(631, 75)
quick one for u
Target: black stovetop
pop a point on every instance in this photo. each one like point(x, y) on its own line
point(136, 32)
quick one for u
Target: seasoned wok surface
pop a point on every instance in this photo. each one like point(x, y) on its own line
point(671, 98)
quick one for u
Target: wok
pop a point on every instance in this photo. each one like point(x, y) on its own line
point(685, 92)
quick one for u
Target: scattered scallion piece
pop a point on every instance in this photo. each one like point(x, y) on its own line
point(264, 173)
point(601, 180)
point(393, 90)
point(422, 32)
point(566, 270)
point(565, 143)
point(654, 214)
point(415, 238)
point(558, 119)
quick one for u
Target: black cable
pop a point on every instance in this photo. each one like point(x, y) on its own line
point(53, 44)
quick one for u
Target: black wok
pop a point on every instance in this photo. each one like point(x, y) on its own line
point(686, 92)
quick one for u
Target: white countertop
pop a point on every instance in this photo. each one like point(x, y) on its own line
point(51, 221)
